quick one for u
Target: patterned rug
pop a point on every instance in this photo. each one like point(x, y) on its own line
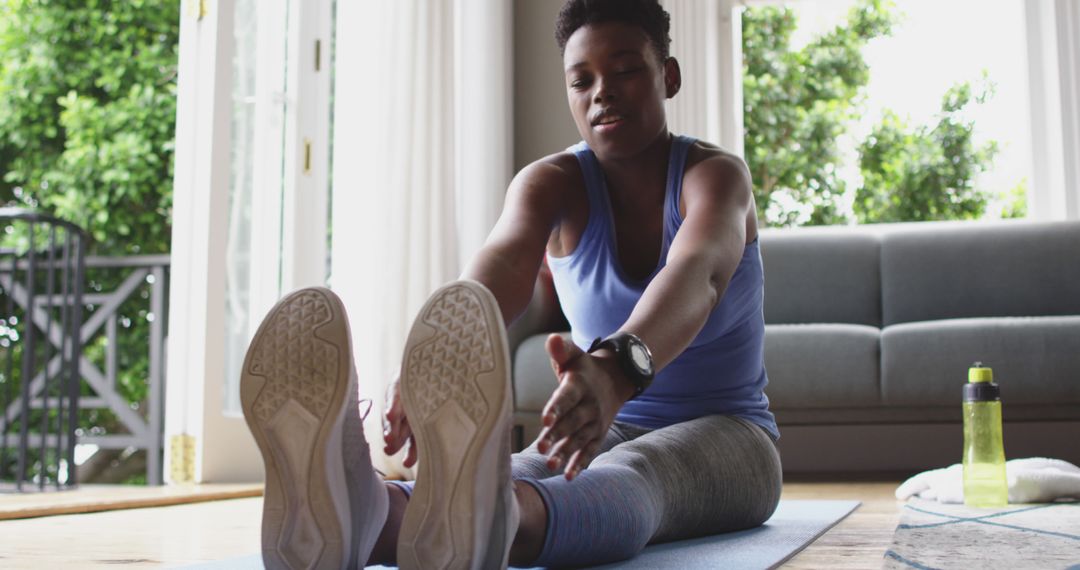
point(932, 535)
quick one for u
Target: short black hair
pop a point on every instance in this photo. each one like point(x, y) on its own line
point(648, 15)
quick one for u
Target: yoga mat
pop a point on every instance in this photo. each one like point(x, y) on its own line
point(793, 526)
point(932, 535)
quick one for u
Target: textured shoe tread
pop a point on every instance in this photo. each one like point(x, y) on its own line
point(292, 390)
point(296, 364)
point(455, 394)
point(445, 367)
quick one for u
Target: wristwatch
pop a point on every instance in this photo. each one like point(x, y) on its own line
point(633, 356)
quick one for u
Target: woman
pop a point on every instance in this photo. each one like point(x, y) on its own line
point(659, 429)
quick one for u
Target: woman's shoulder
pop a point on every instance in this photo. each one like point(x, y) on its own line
point(712, 158)
point(716, 178)
point(560, 169)
point(558, 181)
point(710, 168)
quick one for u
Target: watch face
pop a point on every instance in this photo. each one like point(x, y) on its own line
point(640, 356)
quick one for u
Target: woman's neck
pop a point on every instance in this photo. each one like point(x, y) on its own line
point(639, 181)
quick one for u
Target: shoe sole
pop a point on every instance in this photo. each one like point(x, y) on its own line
point(455, 388)
point(293, 390)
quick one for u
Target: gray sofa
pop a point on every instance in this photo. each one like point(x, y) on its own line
point(869, 334)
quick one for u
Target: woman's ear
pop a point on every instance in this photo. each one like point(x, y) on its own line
point(672, 77)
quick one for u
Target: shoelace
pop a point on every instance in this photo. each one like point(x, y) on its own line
point(370, 404)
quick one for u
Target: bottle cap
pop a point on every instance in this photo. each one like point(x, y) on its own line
point(980, 373)
point(981, 386)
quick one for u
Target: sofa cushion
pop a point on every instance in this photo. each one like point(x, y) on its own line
point(822, 366)
point(822, 276)
point(1035, 359)
point(948, 412)
point(1004, 269)
point(809, 366)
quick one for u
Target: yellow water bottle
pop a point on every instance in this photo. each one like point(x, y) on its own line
point(984, 452)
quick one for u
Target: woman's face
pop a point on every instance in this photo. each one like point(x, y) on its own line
point(616, 86)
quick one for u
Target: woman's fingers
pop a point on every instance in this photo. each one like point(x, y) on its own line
point(410, 458)
point(566, 447)
point(396, 438)
point(392, 422)
point(581, 459)
point(396, 430)
point(574, 418)
point(568, 424)
point(566, 396)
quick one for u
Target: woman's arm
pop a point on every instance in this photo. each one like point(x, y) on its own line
point(507, 265)
point(509, 261)
point(669, 315)
point(701, 260)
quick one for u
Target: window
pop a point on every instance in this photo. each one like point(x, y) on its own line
point(862, 112)
point(744, 90)
point(249, 211)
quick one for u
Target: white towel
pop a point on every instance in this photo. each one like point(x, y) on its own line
point(1032, 480)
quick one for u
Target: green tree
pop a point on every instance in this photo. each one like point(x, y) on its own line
point(87, 115)
point(925, 172)
point(798, 103)
point(87, 123)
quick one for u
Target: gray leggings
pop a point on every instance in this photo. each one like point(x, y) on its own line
point(705, 476)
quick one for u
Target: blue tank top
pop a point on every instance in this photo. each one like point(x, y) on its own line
point(723, 369)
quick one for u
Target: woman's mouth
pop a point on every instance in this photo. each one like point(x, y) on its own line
point(607, 123)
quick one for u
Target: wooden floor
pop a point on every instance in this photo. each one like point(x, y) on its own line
point(95, 498)
point(183, 534)
point(860, 540)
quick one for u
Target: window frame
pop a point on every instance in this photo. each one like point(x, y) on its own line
point(203, 439)
point(1053, 39)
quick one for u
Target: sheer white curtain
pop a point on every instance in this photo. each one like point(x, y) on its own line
point(1053, 37)
point(706, 38)
point(422, 156)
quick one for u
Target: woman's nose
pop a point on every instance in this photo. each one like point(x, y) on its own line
point(604, 91)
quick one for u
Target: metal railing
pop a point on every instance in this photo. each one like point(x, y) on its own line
point(143, 281)
point(124, 296)
point(41, 279)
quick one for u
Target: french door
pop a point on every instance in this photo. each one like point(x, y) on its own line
point(249, 212)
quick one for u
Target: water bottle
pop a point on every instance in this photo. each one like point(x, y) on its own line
point(984, 452)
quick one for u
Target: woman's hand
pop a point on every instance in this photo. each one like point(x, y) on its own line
point(396, 430)
point(576, 419)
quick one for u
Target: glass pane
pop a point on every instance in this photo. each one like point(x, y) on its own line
point(254, 195)
point(860, 112)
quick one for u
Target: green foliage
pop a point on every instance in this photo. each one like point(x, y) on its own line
point(87, 124)
point(798, 103)
point(1016, 201)
point(925, 173)
point(87, 115)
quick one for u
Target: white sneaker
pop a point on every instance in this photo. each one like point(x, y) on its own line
point(324, 506)
point(455, 386)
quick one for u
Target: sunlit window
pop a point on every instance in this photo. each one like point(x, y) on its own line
point(859, 111)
